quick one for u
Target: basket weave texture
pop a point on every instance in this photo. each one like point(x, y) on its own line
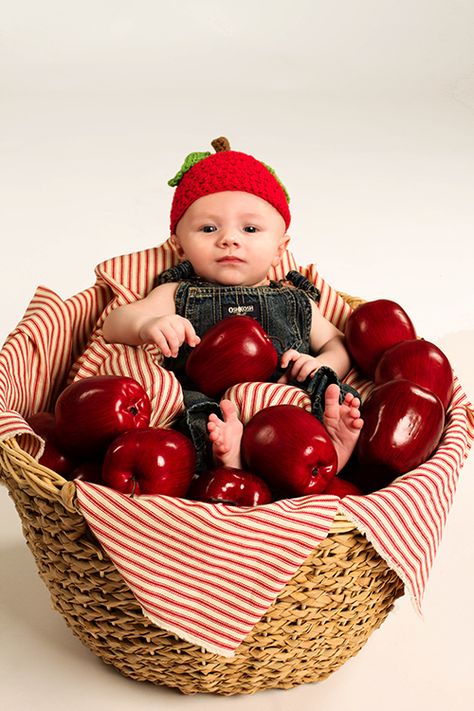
point(323, 616)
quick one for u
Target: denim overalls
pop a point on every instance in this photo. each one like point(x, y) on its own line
point(282, 308)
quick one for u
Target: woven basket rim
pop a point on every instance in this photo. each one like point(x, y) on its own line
point(50, 485)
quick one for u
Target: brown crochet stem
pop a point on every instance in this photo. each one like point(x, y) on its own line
point(220, 144)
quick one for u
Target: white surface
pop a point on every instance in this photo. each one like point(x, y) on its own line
point(365, 110)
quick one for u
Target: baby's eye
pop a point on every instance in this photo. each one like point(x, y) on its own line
point(208, 228)
point(250, 228)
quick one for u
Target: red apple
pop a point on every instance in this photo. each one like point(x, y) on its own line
point(235, 350)
point(403, 424)
point(228, 485)
point(92, 412)
point(150, 461)
point(43, 423)
point(421, 362)
point(342, 487)
point(373, 328)
point(369, 477)
point(290, 449)
point(90, 471)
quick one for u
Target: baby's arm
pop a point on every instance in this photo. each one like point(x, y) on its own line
point(327, 345)
point(151, 320)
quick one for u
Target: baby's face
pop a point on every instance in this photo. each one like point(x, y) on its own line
point(231, 238)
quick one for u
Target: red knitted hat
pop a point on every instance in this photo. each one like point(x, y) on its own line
point(206, 173)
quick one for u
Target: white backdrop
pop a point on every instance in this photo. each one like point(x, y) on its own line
point(365, 110)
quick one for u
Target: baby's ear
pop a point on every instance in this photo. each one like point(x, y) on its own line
point(175, 242)
point(284, 242)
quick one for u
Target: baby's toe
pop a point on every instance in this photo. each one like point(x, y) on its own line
point(212, 427)
point(332, 392)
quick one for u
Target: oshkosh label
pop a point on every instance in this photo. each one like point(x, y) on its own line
point(240, 309)
point(252, 310)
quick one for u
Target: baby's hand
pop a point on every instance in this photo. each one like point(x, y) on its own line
point(169, 333)
point(303, 366)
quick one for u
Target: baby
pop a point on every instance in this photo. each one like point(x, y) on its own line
point(229, 221)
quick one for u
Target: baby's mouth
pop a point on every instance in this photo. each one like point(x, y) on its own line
point(229, 259)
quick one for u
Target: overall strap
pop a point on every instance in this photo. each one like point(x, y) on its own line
point(179, 272)
point(301, 282)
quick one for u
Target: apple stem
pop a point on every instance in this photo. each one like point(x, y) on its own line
point(134, 488)
point(133, 410)
point(315, 471)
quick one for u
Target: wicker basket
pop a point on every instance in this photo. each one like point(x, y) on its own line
point(323, 616)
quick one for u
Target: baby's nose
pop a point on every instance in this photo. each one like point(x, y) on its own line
point(229, 236)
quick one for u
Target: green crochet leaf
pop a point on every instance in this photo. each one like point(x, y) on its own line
point(189, 161)
point(269, 168)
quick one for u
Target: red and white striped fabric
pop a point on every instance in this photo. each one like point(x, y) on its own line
point(208, 573)
point(202, 571)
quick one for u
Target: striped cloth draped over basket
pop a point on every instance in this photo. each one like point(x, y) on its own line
point(208, 573)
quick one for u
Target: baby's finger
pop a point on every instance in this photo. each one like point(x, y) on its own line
point(288, 356)
point(173, 339)
point(190, 335)
point(160, 340)
point(302, 368)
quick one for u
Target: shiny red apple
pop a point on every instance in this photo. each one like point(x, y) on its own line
point(235, 350)
point(373, 328)
point(421, 362)
point(43, 423)
point(150, 461)
point(342, 487)
point(403, 424)
point(229, 485)
point(290, 449)
point(92, 412)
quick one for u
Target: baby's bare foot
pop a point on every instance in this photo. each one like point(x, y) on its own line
point(343, 422)
point(226, 435)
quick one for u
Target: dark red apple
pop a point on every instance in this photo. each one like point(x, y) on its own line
point(290, 449)
point(235, 350)
point(403, 424)
point(369, 477)
point(373, 328)
point(342, 487)
point(421, 362)
point(92, 412)
point(150, 461)
point(90, 471)
point(228, 485)
point(43, 423)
